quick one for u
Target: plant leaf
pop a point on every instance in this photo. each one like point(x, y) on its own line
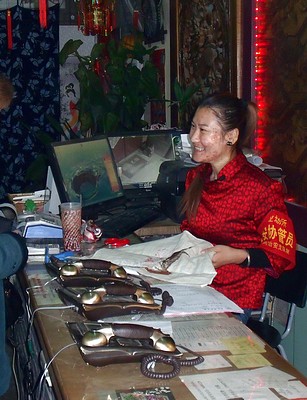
point(178, 90)
point(97, 51)
point(70, 47)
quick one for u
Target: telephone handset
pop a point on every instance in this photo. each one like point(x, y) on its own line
point(85, 272)
point(93, 273)
point(103, 344)
point(86, 267)
point(111, 300)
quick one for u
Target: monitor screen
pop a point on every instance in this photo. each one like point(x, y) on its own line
point(139, 154)
point(84, 171)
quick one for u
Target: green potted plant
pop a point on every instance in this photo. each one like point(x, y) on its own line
point(183, 97)
point(116, 83)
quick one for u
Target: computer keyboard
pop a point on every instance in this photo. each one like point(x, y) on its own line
point(127, 221)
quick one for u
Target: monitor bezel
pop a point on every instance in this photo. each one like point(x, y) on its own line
point(173, 132)
point(89, 211)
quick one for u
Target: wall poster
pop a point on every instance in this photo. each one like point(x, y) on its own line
point(205, 46)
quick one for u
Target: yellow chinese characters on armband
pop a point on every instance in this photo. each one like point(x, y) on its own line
point(277, 235)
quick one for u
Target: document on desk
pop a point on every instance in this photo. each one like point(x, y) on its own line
point(197, 300)
point(214, 334)
point(255, 384)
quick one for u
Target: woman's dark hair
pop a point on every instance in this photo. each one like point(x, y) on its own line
point(231, 113)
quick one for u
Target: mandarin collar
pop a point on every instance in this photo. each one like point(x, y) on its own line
point(230, 169)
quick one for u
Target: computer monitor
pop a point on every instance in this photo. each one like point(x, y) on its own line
point(84, 171)
point(139, 154)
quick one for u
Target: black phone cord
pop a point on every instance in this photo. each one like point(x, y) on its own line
point(176, 363)
point(153, 358)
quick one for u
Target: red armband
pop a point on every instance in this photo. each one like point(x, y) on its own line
point(278, 237)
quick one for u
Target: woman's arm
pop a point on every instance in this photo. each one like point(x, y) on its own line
point(253, 258)
point(277, 245)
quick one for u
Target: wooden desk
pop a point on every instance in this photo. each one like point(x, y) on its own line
point(72, 379)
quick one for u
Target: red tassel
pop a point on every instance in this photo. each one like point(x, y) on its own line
point(43, 13)
point(9, 29)
point(135, 19)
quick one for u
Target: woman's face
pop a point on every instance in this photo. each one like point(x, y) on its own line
point(207, 137)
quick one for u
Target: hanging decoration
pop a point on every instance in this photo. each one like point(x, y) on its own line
point(43, 17)
point(9, 29)
point(96, 17)
point(261, 54)
point(43, 8)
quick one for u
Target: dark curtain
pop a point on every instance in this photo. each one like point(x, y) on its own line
point(32, 66)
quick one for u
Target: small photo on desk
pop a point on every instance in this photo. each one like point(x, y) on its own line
point(163, 393)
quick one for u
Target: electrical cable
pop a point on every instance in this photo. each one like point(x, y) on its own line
point(39, 382)
point(28, 341)
point(28, 302)
point(15, 374)
point(14, 343)
point(43, 309)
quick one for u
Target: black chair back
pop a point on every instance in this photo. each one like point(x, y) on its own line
point(291, 286)
point(298, 214)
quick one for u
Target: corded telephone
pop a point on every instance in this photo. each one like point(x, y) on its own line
point(101, 344)
point(99, 289)
point(112, 305)
point(92, 273)
point(84, 269)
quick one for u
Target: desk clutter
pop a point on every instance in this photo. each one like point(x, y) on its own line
point(98, 290)
point(235, 360)
point(207, 351)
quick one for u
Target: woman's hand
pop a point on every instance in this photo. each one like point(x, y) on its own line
point(223, 255)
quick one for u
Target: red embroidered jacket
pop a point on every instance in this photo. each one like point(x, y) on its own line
point(243, 208)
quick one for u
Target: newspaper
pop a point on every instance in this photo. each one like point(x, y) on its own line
point(177, 259)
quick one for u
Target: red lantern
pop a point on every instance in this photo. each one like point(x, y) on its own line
point(96, 17)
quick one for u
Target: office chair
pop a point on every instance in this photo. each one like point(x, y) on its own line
point(290, 287)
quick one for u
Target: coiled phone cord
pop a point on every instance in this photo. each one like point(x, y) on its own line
point(176, 363)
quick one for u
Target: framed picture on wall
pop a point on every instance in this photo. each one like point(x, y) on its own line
point(205, 48)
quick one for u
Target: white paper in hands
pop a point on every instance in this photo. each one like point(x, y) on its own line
point(192, 267)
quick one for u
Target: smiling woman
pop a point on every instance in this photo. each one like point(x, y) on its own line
point(234, 205)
